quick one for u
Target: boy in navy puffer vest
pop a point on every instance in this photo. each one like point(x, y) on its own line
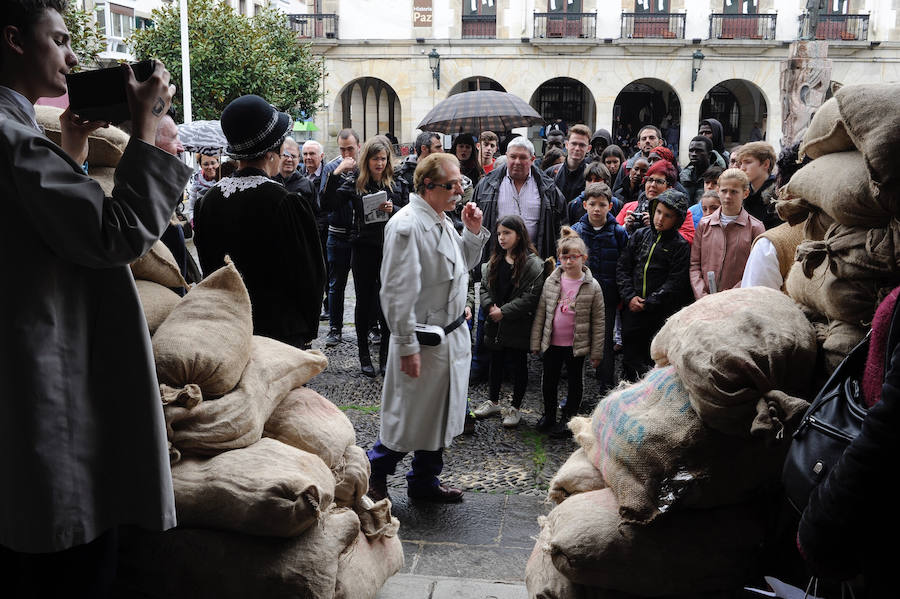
point(605, 239)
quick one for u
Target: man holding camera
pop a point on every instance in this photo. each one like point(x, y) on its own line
point(82, 439)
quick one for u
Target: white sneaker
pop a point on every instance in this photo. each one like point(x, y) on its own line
point(487, 409)
point(511, 417)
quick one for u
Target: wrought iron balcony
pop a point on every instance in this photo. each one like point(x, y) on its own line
point(561, 25)
point(479, 26)
point(847, 28)
point(315, 26)
point(663, 25)
point(741, 27)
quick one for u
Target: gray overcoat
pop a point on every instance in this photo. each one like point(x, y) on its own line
point(424, 279)
point(82, 438)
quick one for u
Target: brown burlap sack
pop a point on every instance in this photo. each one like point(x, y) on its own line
point(212, 564)
point(826, 133)
point(268, 489)
point(542, 579)
point(105, 145)
point(684, 551)
point(375, 519)
point(158, 265)
point(237, 419)
point(351, 477)
point(310, 422)
point(577, 475)
point(871, 115)
point(367, 565)
point(656, 455)
point(157, 302)
point(840, 338)
point(863, 252)
point(206, 339)
point(838, 184)
point(741, 354)
point(824, 294)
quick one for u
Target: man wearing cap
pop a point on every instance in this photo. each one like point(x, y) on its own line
point(280, 258)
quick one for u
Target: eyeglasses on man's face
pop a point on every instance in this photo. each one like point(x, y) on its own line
point(289, 155)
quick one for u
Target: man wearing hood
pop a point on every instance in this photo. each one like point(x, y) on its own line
point(653, 279)
point(713, 129)
point(599, 140)
point(691, 177)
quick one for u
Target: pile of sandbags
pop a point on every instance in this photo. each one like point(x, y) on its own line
point(840, 276)
point(663, 496)
point(270, 486)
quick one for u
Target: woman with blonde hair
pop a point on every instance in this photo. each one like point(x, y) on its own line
point(374, 195)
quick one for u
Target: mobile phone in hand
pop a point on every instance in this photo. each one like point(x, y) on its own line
point(100, 95)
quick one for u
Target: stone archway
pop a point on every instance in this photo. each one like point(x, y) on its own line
point(740, 106)
point(370, 106)
point(470, 84)
point(567, 99)
point(646, 101)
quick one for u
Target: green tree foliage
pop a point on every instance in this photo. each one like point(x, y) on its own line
point(87, 41)
point(232, 55)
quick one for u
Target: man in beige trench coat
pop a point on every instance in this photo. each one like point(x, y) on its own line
point(424, 279)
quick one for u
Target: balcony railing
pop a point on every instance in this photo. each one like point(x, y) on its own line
point(848, 28)
point(479, 26)
point(741, 27)
point(315, 26)
point(653, 25)
point(565, 25)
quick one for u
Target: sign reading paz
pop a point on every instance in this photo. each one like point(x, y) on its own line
point(422, 11)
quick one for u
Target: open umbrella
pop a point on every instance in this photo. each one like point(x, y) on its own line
point(204, 137)
point(477, 111)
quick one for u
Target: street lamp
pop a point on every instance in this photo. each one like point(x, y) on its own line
point(696, 62)
point(434, 63)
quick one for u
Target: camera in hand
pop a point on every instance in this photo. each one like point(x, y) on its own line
point(100, 95)
point(638, 216)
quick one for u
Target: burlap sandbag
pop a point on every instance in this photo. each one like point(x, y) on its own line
point(157, 302)
point(795, 211)
point(375, 518)
point(840, 338)
point(105, 145)
point(542, 579)
point(824, 294)
point(206, 339)
point(576, 475)
point(367, 565)
point(212, 564)
point(310, 422)
point(838, 184)
point(237, 419)
point(158, 265)
point(684, 551)
point(268, 489)
point(864, 252)
point(826, 133)
point(351, 477)
point(871, 115)
point(746, 356)
point(656, 455)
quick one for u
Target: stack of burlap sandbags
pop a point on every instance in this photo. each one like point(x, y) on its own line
point(849, 191)
point(270, 486)
point(664, 496)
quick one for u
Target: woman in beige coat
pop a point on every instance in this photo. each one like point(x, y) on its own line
point(569, 325)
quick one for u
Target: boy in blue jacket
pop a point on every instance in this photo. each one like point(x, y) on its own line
point(605, 239)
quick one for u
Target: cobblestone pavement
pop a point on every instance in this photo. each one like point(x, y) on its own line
point(492, 460)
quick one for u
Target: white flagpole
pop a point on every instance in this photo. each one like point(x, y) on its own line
point(185, 63)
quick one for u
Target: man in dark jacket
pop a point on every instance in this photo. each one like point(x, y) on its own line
point(757, 159)
point(713, 129)
point(691, 176)
point(653, 279)
point(427, 142)
point(599, 140)
point(570, 177)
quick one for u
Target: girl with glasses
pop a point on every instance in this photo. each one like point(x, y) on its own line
point(569, 325)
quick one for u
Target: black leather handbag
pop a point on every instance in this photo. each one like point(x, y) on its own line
point(830, 423)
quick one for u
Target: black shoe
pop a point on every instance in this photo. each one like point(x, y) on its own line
point(377, 489)
point(324, 315)
point(334, 337)
point(365, 365)
point(560, 430)
point(477, 376)
point(437, 494)
point(469, 426)
point(546, 423)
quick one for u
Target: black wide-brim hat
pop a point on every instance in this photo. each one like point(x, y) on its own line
point(252, 127)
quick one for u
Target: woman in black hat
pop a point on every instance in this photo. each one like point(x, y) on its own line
point(269, 233)
point(375, 174)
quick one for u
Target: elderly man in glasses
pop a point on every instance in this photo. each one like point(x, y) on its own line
point(292, 179)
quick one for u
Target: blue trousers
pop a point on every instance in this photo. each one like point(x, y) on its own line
point(339, 252)
point(426, 465)
point(481, 357)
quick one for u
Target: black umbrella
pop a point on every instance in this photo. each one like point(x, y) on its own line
point(474, 112)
